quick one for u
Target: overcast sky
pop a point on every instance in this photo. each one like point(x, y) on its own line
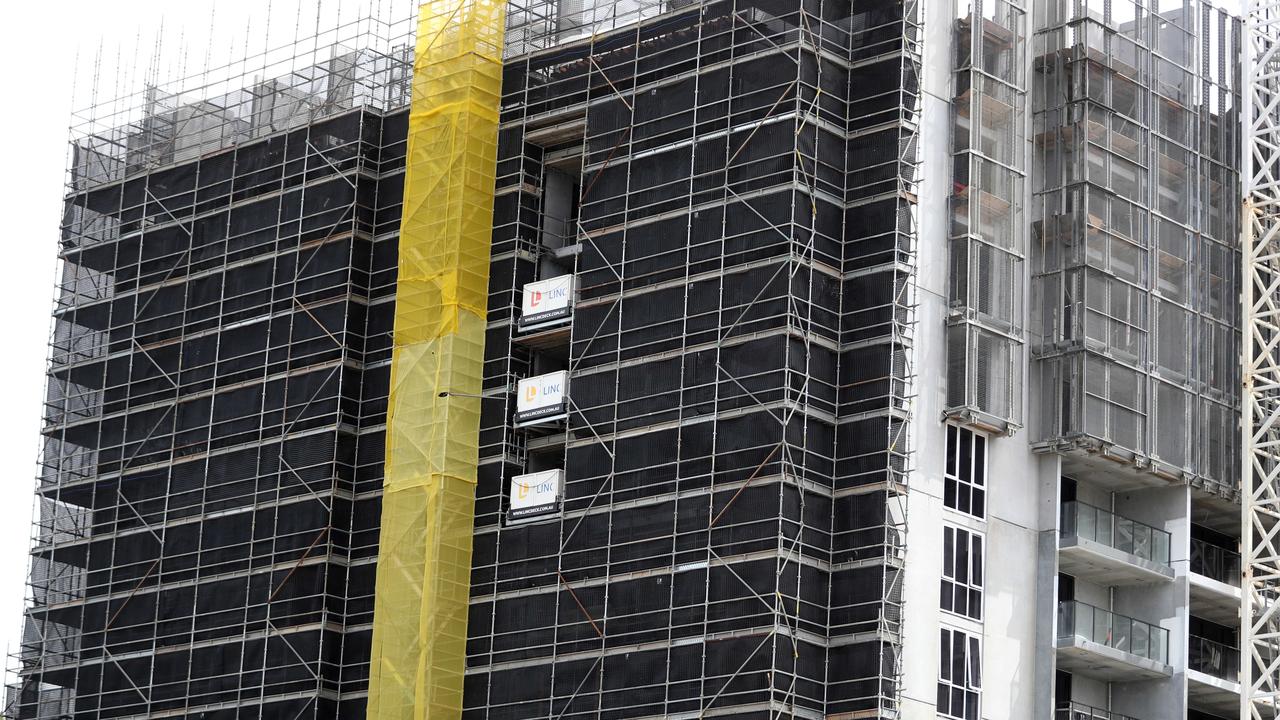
point(47, 49)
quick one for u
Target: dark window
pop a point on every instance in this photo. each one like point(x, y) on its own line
point(1066, 587)
point(962, 561)
point(1062, 688)
point(959, 675)
point(1068, 490)
point(966, 472)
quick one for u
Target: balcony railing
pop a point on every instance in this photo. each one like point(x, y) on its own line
point(1076, 711)
point(1077, 619)
point(1213, 658)
point(1215, 562)
point(1105, 527)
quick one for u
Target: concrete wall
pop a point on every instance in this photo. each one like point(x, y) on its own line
point(924, 510)
point(1022, 486)
point(1165, 604)
point(1022, 524)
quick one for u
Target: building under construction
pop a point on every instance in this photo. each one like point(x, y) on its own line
point(657, 359)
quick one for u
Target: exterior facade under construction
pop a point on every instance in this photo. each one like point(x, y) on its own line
point(671, 359)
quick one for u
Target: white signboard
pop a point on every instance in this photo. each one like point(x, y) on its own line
point(535, 494)
point(543, 397)
point(546, 301)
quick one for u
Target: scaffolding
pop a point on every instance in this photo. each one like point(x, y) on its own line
point(206, 524)
point(739, 178)
point(362, 62)
point(433, 407)
point(732, 185)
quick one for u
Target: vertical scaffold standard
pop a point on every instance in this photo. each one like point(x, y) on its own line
point(433, 416)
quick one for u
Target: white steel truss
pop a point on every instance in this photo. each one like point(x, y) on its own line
point(1260, 357)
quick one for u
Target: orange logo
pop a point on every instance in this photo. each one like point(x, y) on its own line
point(530, 393)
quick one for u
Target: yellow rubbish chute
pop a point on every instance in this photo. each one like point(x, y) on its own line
point(433, 414)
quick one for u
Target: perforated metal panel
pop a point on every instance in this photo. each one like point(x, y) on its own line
point(988, 236)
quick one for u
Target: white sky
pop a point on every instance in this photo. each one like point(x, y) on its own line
point(41, 45)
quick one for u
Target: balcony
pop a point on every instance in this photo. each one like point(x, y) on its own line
point(1111, 647)
point(1109, 549)
point(1215, 562)
point(1215, 583)
point(1213, 673)
point(1076, 711)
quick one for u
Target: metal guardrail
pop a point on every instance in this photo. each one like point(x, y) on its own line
point(1078, 711)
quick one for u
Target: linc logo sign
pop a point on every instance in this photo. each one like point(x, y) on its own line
point(535, 494)
point(542, 398)
point(546, 301)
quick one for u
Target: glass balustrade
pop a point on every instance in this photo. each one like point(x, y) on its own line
point(1216, 562)
point(1213, 658)
point(1077, 619)
point(1115, 531)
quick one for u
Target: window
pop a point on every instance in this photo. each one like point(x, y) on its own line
point(961, 572)
point(966, 475)
point(959, 675)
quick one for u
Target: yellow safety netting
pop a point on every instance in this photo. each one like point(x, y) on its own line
point(428, 504)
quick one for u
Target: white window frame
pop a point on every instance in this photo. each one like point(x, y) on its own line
point(968, 580)
point(971, 665)
point(960, 494)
